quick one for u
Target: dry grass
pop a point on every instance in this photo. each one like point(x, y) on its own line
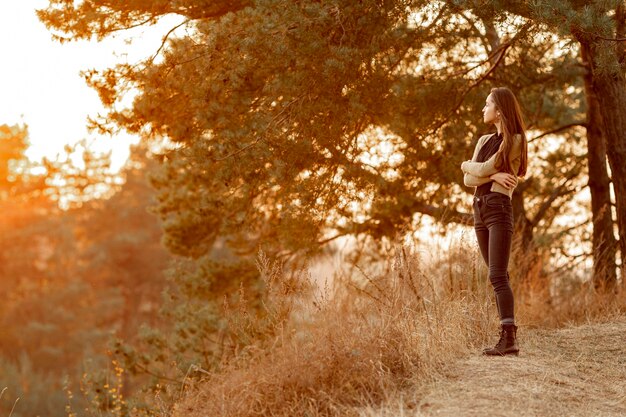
point(381, 345)
point(576, 371)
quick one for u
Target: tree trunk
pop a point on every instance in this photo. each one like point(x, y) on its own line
point(523, 226)
point(523, 253)
point(604, 243)
point(609, 86)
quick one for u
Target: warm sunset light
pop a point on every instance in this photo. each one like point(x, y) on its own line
point(41, 83)
point(338, 208)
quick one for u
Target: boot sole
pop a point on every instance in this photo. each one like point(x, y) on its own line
point(515, 353)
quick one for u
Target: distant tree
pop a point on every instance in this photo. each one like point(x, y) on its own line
point(71, 278)
point(44, 319)
point(22, 200)
point(79, 175)
point(121, 245)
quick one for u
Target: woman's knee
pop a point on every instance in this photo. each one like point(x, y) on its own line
point(499, 278)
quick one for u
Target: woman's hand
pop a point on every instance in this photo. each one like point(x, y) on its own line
point(463, 166)
point(508, 181)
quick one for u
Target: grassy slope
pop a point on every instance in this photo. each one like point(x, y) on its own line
point(407, 343)
point(575, 371)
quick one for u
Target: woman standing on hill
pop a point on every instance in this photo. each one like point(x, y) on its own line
point(498, 160)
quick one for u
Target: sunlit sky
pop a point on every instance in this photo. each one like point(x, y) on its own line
point(41, 86)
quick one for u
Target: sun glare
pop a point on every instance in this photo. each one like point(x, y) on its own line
point(41, 83)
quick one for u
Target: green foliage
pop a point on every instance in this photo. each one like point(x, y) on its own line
point(278, 114)
point(106, 17)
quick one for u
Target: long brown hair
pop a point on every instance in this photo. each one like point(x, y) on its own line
point(512, 124)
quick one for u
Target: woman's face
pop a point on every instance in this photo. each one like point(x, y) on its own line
point(490, 114)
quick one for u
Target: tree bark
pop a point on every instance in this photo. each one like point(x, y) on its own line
point(603, 241)
point(523, 232)
point(523, 250)
point(609, 85)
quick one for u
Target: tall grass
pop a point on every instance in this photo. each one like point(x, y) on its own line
point(361, 342)
point(14, 403)
point(372, 337)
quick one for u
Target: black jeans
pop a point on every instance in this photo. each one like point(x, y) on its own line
point(493, 223)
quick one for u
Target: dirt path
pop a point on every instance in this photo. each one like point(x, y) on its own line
point(579, 371)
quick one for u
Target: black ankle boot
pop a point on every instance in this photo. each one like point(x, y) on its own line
point(507, 345)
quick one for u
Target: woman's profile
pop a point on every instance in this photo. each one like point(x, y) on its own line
point(498, 160)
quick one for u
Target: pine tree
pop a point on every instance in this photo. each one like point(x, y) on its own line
point(278, 112)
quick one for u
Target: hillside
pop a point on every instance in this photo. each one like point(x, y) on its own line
point(577, 371)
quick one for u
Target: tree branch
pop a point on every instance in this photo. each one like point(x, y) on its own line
point(610, 39)
point(262, 134)
point(557, 130)
point(166, 37)
point(501, 51)
point(576, 260)
point(476, 31)
point(330, 239)
point(558, 192)
point(444, 215)
point(569, 229)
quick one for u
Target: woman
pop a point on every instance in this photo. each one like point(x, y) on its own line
point(498, 160)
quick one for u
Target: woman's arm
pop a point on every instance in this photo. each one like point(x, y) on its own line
point(506, 180)
point(474, 181)
point(487, 168)
point(479, 145)
point(480, 169)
